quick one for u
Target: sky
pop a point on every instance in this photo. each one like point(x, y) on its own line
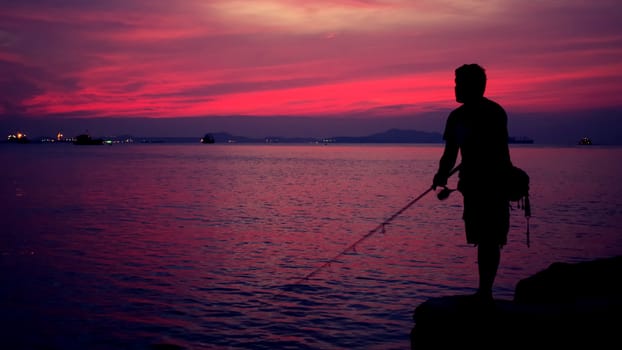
point(297, 66)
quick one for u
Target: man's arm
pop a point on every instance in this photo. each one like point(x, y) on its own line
point(446, 164)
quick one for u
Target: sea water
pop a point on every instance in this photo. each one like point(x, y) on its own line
point(211, 246)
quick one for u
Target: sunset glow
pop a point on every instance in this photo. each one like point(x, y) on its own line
point(190, 58)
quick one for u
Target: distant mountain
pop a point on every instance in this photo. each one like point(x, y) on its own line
point(389, 136)
point(394, 136)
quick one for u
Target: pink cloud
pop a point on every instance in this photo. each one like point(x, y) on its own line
point(279, 57)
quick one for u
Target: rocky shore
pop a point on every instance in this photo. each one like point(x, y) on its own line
point(567, 305)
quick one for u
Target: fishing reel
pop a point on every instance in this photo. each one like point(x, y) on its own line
point(444, 193)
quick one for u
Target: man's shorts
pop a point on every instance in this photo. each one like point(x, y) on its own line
point(486, 218)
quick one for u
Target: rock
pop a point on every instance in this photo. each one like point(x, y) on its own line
point(564, 306)
point(567, 283)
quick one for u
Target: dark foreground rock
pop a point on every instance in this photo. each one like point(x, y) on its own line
point(567, 305)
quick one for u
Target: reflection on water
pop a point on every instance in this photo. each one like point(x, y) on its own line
point(204, 247)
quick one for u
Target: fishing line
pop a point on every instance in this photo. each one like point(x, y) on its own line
point(379, 228)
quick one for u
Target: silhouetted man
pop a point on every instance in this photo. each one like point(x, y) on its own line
point(478, 130)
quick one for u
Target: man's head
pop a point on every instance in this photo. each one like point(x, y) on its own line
point(470, 82)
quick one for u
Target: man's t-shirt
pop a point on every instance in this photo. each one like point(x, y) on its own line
point(480, 131)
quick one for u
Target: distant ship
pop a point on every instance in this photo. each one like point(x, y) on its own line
point(208, 138)
point(585, 141)
point(18, 138)
point(85, 139)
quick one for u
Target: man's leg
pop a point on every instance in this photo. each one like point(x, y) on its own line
point(488, 257)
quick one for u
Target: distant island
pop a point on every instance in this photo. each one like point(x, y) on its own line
point(396, 136)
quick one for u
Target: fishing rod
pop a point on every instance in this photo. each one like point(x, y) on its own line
point(442, 195)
